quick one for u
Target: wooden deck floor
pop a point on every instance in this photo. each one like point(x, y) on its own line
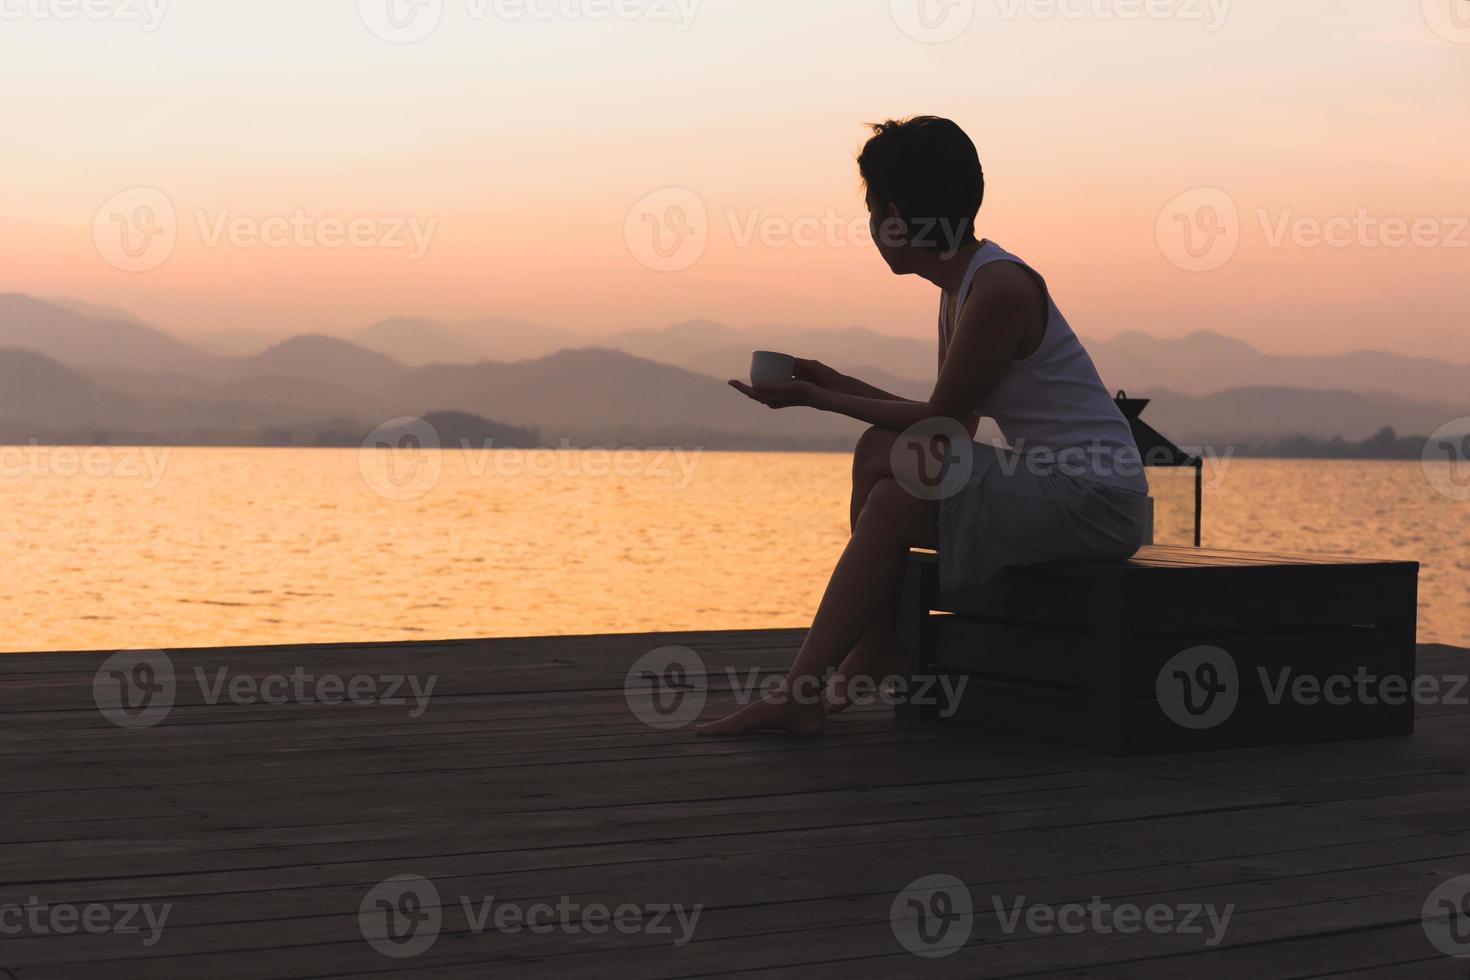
point(529, 779)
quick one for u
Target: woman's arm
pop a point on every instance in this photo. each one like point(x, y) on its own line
point(1000, 314)
point(831, 379)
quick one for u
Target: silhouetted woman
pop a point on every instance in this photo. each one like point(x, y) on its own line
point(1068, 486)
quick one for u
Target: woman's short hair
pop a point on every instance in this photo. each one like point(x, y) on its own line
point(931, 171)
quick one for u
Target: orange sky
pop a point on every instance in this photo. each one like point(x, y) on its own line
point(519, 136)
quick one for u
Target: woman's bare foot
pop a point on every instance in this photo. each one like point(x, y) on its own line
point(866, 671)
point(835, 699)
point(790, 717)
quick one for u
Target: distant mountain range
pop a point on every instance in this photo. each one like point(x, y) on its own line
point(1201, 363)
point(1206, 363)
point(71, 371)
point(417, 341)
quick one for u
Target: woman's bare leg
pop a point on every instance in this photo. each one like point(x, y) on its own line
point(867, 577)
point(875, 655)
point(872, 463)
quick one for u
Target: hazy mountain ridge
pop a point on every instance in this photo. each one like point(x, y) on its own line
point(1260, 415)
point(1203, 363)
point(33, 386)
point(581, 392)
point(67, 370)
point(80, 341)
point(418, 341)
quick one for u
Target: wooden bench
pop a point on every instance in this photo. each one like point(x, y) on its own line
point(1179, 649)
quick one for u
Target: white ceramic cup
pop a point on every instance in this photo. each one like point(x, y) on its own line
point(770, 368)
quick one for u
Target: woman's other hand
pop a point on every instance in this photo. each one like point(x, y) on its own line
point(784, 394)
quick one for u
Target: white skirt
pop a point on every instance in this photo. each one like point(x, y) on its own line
point(1010, 512)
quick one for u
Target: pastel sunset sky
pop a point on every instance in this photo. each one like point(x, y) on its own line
point(1289, 172)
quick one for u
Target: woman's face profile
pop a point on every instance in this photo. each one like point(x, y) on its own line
point(887, 228)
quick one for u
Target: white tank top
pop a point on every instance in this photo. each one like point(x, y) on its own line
point(1052, 406)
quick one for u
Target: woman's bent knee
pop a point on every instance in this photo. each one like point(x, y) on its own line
point(894, 509)
point(871, 457)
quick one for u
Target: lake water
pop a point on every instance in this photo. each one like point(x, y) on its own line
point(125, 548)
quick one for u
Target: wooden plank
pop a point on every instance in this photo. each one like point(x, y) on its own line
point(531, 779)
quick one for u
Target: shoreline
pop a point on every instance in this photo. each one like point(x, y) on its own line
point(722, 443)
point(654, 637)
